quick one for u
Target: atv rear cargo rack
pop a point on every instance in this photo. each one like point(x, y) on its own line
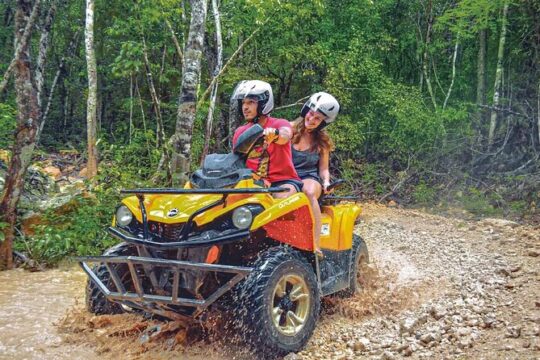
point(155, 303)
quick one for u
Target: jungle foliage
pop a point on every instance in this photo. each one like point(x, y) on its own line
point(415, 80)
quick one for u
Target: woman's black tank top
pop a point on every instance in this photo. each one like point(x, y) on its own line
point(306, 164)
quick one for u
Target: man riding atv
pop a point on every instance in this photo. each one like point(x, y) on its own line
point(271, 161)
point(225, 241)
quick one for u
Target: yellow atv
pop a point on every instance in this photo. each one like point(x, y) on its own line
point(224, 240)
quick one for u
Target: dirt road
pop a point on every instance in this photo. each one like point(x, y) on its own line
point(439, 288)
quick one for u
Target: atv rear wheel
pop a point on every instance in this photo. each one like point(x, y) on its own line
point(359, 269)
point(279, 302)
point(96, 302)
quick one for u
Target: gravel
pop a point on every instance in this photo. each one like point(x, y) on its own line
point(439, 288)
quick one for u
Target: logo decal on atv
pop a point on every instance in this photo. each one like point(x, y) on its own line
point(172, 212)
point(325, 229)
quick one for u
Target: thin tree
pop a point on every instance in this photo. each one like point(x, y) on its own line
point(21, 44)
point(160, 131)
point(61, 69)
point(454, 57)
point(498, 77)
point(481, 68)
point(181, 140)
point(91, 111)
point(425, 60)
point(28, 118)
point(44, 43)
point(219, 64)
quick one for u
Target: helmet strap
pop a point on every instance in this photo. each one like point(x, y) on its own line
point(321, 126)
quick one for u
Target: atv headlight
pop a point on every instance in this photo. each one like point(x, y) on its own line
point(123, 216)
point(242, 217)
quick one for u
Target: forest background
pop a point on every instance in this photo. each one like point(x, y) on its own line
point(440, 100)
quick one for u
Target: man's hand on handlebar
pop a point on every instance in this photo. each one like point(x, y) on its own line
point(271, 134)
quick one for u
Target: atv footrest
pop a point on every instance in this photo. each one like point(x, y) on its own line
point(144, 299)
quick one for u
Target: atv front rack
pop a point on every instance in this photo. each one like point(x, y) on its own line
point(160, 302)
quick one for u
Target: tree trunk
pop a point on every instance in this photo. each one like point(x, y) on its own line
point(481, 68)
point(538, 111)
point(130, 106)
point(181, 140)
point(425, 60)
point(176, 42)
point(233, 57)
point(70, 51)
point(160, 131)
point(453, 73)
point(222, 131)
point(213, 96)
point(498, 77)
point(234, 117)
point(44, 43)
point(91, 110)
point(21, 43)
point(27, 124)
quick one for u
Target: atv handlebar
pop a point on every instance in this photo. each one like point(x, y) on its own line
point(335, 184)
point(270, 190)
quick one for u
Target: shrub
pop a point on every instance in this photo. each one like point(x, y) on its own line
point(424, 194)
point(8, 124)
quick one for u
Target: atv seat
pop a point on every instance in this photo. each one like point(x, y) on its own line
point(220, 171)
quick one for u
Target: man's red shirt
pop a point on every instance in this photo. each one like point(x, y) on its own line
point(275, 162)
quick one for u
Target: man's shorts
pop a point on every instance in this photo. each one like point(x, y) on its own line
point(298, 184)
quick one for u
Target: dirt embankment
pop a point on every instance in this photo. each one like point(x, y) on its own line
point(438, 288)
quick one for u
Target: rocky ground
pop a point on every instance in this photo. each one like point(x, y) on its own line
point(438, 288)
point(441, 289)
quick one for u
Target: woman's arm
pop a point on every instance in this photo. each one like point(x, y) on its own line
point(324, 172)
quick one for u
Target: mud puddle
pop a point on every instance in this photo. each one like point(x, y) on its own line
point(30, 305)
point(139, 338)
point(42, 316)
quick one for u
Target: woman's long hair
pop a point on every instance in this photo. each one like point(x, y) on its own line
point(321, 139)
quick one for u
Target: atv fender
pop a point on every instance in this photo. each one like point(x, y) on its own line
point(289, 221)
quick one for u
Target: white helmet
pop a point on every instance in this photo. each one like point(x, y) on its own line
point(324, 103)
point(258, 90)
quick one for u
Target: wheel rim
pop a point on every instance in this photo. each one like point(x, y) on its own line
point(361, 268)
point(291, 303)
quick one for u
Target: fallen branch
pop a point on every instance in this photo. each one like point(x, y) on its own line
point(499, 109)
point(401, 182)
point(176, 42)
point(298, 102)
point(233, 56)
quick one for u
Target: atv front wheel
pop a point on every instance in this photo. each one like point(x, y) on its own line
point(279, 302)
point(96, 302)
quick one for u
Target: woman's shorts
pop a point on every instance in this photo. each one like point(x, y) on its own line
point(296, 183)
point(312, 177)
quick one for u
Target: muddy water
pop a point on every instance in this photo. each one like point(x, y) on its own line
point(42, 316)
point(30, 304)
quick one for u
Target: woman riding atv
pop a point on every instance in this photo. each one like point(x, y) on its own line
point(311, 147)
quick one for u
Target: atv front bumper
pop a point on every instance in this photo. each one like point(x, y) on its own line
point(164, 301)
